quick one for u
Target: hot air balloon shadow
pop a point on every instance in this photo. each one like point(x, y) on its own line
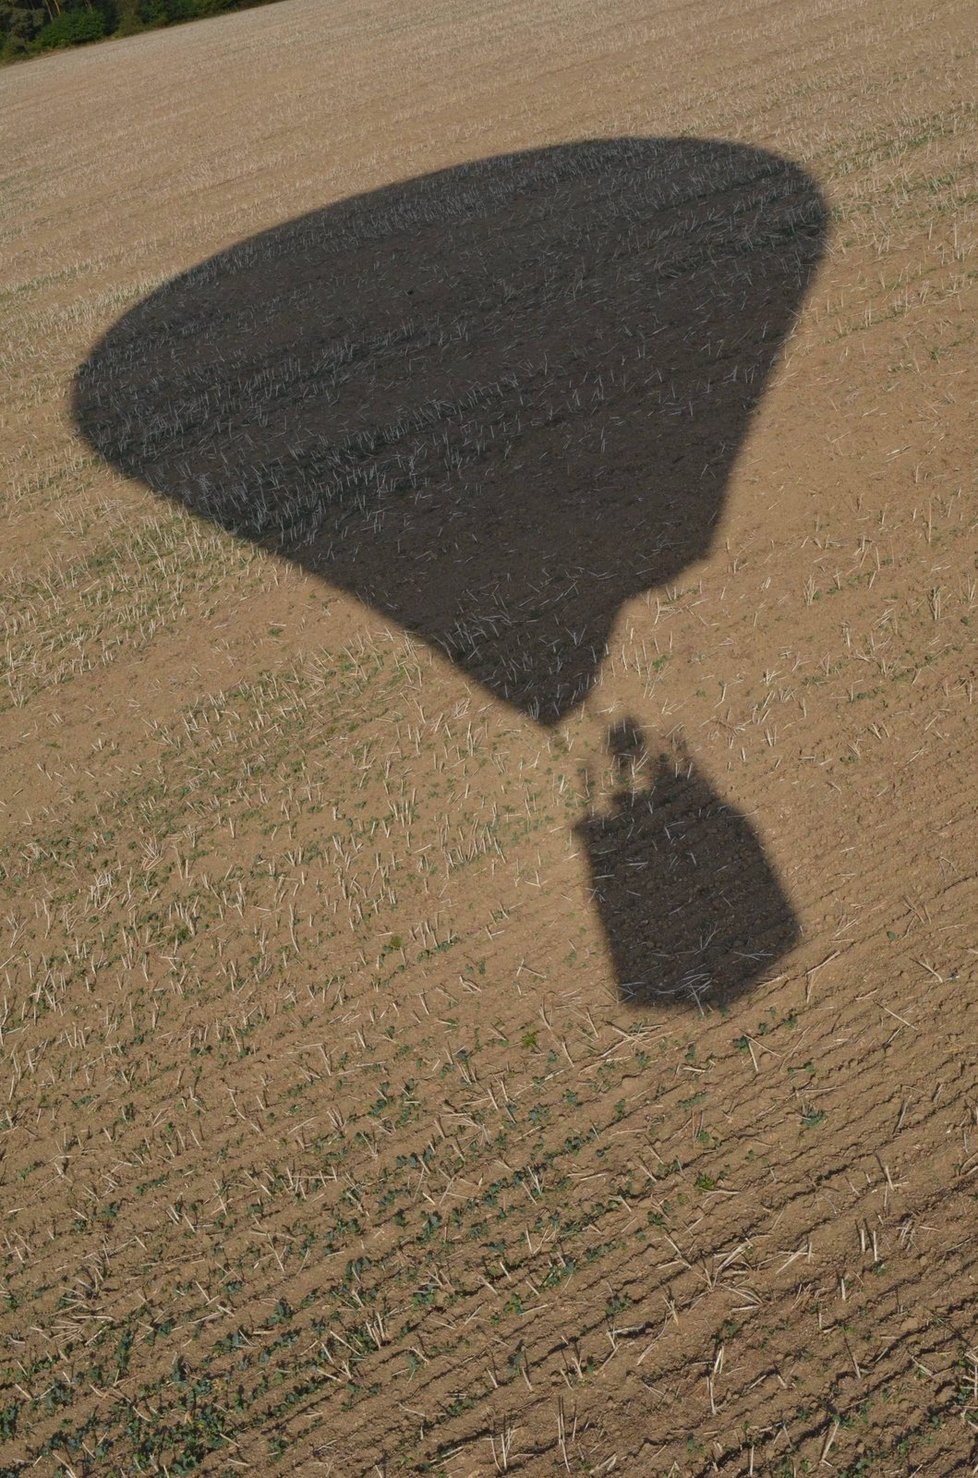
point(495, 403)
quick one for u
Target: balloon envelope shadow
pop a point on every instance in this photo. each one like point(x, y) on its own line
point(495, 403)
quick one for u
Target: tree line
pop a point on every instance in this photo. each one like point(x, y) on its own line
point(28, 27)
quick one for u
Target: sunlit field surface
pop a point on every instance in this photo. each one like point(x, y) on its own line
point(487, 824)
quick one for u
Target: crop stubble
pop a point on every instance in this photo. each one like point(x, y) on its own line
point(328, 1140)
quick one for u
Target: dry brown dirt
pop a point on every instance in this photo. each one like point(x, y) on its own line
point(489, 957)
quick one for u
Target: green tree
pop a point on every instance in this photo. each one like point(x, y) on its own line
point(20, 23)
point(72, 27)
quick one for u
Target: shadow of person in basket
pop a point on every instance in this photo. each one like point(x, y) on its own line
point(495, 402)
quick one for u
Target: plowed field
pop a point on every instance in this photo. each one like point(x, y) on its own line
point(488, 867)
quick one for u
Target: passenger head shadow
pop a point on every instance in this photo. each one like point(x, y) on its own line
point(690, 907)
point(494, 403)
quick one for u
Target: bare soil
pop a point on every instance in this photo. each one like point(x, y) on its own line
point(487, 832)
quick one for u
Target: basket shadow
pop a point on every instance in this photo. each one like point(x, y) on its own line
point(689, 904)
point(494, 403)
